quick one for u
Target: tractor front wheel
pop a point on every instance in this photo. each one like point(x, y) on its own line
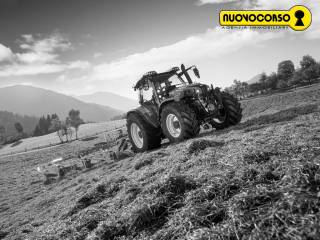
point(179, 122)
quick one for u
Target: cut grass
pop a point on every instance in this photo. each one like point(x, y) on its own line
point(259, 180)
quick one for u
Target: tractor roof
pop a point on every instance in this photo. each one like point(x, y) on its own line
point(155, 77)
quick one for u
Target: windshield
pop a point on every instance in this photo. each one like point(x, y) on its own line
point(175, 81)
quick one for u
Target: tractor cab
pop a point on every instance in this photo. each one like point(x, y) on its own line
point(156, 87)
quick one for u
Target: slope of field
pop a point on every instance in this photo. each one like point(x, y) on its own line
point(31, 101)
point(257, 180)
point(85, 130)
point(256, 107)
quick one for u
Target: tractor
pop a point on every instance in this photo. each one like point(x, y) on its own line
point(173, 106)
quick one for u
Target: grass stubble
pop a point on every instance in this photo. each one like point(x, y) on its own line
point(258, 180)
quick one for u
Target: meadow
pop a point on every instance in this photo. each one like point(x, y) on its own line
point(257, 180)
point(85, 130)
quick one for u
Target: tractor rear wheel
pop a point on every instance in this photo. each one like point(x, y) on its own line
point(231, 113)
point(141, 134)
point(179, 122)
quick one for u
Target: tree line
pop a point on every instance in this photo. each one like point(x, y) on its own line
point(63, 128)
point(287, 76)
point(46, 125)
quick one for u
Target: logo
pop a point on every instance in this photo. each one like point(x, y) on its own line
point(298, 18)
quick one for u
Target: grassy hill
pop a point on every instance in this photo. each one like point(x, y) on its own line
point(257, 180)
point(31, 101)
point(85, 130)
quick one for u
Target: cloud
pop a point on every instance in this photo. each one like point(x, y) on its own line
point(79, 65)
point(33, 69)
point(97, 55)
point(5, 53)
point(42, 50)
point(211, 45)
point(39, 55)
point(203, 2)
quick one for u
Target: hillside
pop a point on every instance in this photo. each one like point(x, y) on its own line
point(8, 119)
point(31, 101)
point(256, 180)
point(254, 79)
point(110, 99)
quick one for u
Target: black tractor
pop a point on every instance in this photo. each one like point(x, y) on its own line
point(174, 107)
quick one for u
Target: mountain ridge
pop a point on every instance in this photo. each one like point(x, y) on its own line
point(34, 101)
point(111, 99)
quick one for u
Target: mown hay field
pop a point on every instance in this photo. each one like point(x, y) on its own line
point(257, 180)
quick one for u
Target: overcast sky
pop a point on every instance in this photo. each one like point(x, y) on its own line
point(83, 46)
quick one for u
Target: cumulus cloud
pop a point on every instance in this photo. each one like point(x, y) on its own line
point(214, 43)
point(5, 53)
point(42, 50)
point(39, 55)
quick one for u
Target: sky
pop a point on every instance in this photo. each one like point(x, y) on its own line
point(80, 47)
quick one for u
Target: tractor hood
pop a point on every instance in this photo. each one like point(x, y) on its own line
point(188, 91)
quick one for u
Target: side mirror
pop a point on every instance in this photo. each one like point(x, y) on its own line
point(196, 72)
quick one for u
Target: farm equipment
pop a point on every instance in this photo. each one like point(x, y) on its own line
point(173, 106)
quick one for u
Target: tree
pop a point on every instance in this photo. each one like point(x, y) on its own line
point(236, 88)
point(272, 81)
point(311, 73)
point(74, 120)
point(306, 62)
point(263, 80)
point(37, 131)
point(18, 127)
point(282, 84)
point(285, 71)
point(297, 78)
point(56, 126)
point(244, 88)
point(2, 134)
point(55, 123)
point(255, 87)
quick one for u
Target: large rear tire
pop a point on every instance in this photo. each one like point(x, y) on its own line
point(141, 134)
point(232, 112)
point(179, 122)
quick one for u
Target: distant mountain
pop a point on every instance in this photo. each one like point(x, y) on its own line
point(110, 99)
point(255, 79)
point(31, 101)
point(8, 119)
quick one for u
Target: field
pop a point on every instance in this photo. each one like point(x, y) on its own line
point(85, 130)
point(257, 180)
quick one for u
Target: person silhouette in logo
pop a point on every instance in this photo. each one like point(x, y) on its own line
point(299, 15)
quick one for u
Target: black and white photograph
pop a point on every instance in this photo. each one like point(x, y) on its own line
point(159, 120)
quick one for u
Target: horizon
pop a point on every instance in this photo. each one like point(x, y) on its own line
point(106, 46)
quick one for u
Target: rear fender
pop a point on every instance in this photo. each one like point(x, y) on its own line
point(163, 104)
point(147, 114)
